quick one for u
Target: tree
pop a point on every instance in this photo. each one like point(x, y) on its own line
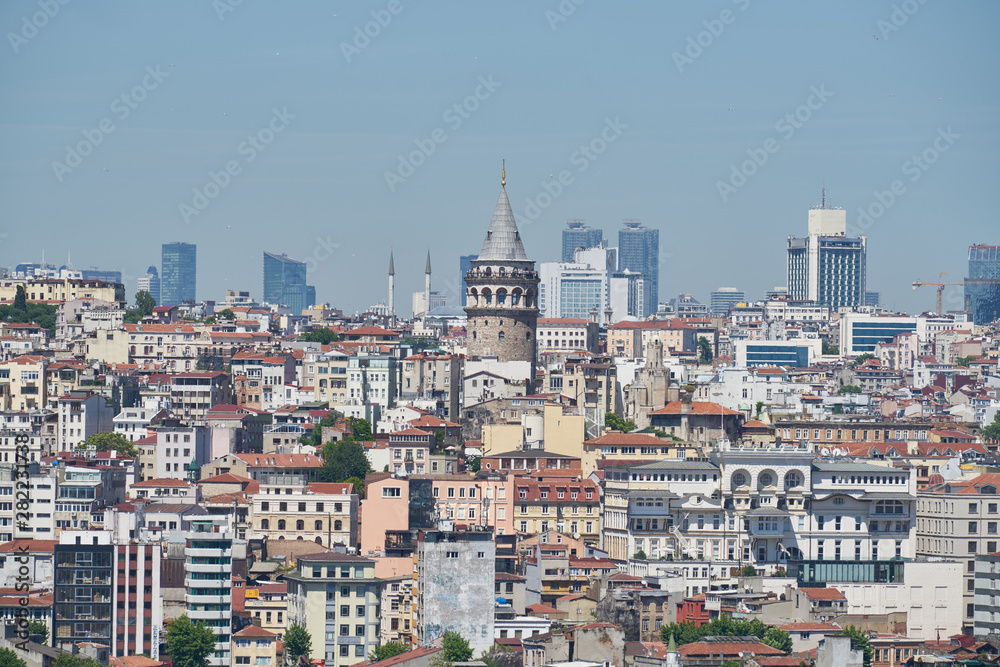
point(320, 335)
point(297, 642)
point(226, 314)
point(860, 642)
point(475, 463)
point(455, 647)
point(37, 627)
point(779, 639)
point(343, 460)
point(965, 361)
point(639, 555)
point(383, 651)
point(829, 348)
point(991, 431)
point(144, 302)
point(9, 659)
point(759, 406)
point(21, 299)
point(849, 389)
point(704, 350)
point(359, 486)
point(189, 644)
point(748, 571)
point(73, 660)
point(105, 442)
point(361, 428)
point(618, 423)
point(315, 437)
point(862, 358)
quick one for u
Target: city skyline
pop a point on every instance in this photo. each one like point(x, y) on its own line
point(675, 137)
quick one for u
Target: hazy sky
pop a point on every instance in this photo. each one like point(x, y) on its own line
point(309, 114)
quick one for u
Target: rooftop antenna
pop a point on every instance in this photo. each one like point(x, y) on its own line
point(823, 201)
point(503, 174)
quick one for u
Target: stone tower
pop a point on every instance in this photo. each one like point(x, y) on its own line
point(502, 292)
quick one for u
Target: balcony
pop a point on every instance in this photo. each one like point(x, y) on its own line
point(209, 553)
point(206, 615)
point(208, 567)
point(208, 599)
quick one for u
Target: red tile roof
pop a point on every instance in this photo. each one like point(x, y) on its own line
point(823, 594)
point(696, 408)
point(162, 481)
point(726, 648)
point(254, 631)
point(29, 546)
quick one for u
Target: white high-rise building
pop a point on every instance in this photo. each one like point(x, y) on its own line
point(827, 266)
point(208, 582)
point(577, 289)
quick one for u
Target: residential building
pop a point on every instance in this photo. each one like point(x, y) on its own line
point(335, 597)
point(81, 415)
point(573, 334)
point(289, 507)
point(208, 582)
point(268, 604)
point(986, 618)
point(627, 298)
point(22, 383)
point(179, 273)
point(253, 645)
point(565, 504)
point(639, 251)
point(57, 290)
point(85, 564)
point(454, 572)
point(194, 394)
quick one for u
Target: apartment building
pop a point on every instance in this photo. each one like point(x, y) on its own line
point(567, 504)
point(208, 582)
point(960, 519)
point(436, 377)
point(22, 383)
point(193, 395)
point(254, 645)
point(335, 597)
point(49, 290)
point(289, 507)
point(567, 334)
point(326, 373)
point(81, 415)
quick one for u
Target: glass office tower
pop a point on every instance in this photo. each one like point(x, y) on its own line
point(178, 273)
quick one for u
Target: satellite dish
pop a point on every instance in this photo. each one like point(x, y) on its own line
point(825, 451)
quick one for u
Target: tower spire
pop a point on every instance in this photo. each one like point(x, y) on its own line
point(392, 268)
point(503, 173)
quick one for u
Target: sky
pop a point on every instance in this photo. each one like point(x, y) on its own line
point(336, 131)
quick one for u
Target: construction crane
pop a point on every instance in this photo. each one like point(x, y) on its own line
point(940, 288)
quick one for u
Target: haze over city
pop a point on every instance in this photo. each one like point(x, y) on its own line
point(695, 90)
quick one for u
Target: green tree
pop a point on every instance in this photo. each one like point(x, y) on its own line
point(72, 660)
point(829, 348)
point(189, 644)
point(105, 442)
point(639, 555)
point(860, 638)
point(991, 431)
point(849, 389)
point(226, 314)
point(297, 642)
point(862, 358)
point(455, 647)
point(704, 350)
point(144, 302)
point(359, 486)
point(748, 571)
point(321, 335)
point(759, 406)
point(315, 437)
point(475, 463)
point(965, 361)
point(361, 428)
point(618, 423)
point(9, 659)
point(383, 651)
point(21, 299)
point(343, 460)
point(37, 627)
point(779, 639)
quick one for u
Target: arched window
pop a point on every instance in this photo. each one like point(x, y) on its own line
point(515, 296)
point(740, 478)
point(319, 540)
point(487, 296)
point(338, 525)
point(300, 525)
point(793, 479)
point(319, 525)
point(501, 297)
point(527, 335)
point(500, 336)
point(299, 538)
point(281, 524)
point(473, 296)
point(265, 524)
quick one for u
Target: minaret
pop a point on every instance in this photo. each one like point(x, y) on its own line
point(427, 284)
point(502, 292)
point(673, 656)
point(392, 289)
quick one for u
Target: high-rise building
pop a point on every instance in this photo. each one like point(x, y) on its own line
point(982, 287)
point(639, 251)
point(628, 296)
point(827, 266)
point(464, 266)
point(208, 584)
point(502, 293)
point(578, 235)
point(84, 567)
point(285, 283)
point(572, 290)
point(178, 273)
point(150, 283)
point(723, 299)
point(872, 298)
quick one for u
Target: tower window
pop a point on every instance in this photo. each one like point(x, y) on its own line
point(527, 335)
point(500, 335)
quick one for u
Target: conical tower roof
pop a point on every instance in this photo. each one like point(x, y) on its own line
point(503, 241)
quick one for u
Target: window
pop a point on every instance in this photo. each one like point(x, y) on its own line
point(391, 492)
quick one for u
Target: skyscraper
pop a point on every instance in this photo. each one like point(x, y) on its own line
point(723, 299)
point(639, 252)
point(827, 266)
point(178, 273)
point(577, 236)
point(285, 283)
point(150, 283)
point(982, 287)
